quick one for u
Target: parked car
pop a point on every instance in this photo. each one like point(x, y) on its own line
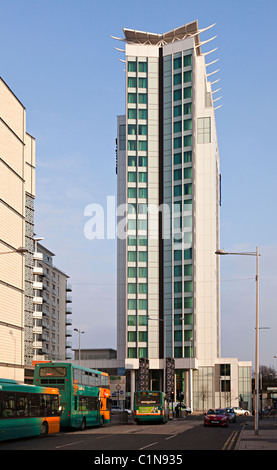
point(232, 414)
point(240, 411)
point(117, 408)
point(218, 417)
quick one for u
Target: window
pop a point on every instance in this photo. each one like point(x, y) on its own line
point(132, 192)
point(142, 177)
point(187, 157)
point(132, 353)
point(132, 336)
point(177, 174)
point(178, 303)
point(177, 287)
point(204, 130)
point(142, 208)
point(188, 188)
point(132, 255)
point(142, 240)
point(187, 60)
point(187, 140)
point(177, 142)
point(188, 270)
point(187, 173)
point(132, 66)
point(177, 79)
point(143, 256)
point(178, 126)
point(177, 191)
point(142, 288)
point(142, 336)
point(132, 98)
point(143, 161)
point(132, 288)
point(132, 226)
point(142, 193)
point(177, 95)
point(142, 320)
point(122, 137)
point(132, 320)
point(132, 177)
point(188, 92)
point(142, 113)
point(142, 82)
point(177, 63)
point(142, 129)
point(132, 272)
point(188, 253)
point(188, 76)
point(132, 129)
point(142, 145)
point(132, 113)
point(177, 110)
point(132, 82)
point(178, 271)
point(142, 304)
point(132, 160)
point(132, 145)
point(187, 108)
point(142, 98)
point(142, 67)
point(132, 304)
point(132, 241)
point(177, 159)
point(177, 255)
point(187, 124)
point(142, 224)
point(142, 352)
point(187, 302)
point(142, 272)
point(188, 286)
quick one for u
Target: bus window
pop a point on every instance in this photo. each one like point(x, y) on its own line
point(8, 404)
point(49, 405)
point(21, 404)
point(34, 404)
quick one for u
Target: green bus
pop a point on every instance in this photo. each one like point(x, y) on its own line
point(151, 407)
point(85, 395)
point(27, 410)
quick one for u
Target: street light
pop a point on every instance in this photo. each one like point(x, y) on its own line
point(20, 250)
point(250, 253)
point(80, 333)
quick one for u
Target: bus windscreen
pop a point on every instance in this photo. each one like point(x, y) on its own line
point(52, 372)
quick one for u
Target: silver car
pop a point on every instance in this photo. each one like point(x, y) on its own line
point(240, 411)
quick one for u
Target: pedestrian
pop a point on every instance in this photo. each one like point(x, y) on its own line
point(177, 411)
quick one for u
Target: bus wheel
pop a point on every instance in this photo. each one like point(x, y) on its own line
point(83, 425)
point(44, 429)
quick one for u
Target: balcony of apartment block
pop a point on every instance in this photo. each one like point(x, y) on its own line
point(37, 285)
point(38, 256)
point(68, 332)
point(68, 299)
point(68, 310)
point(68, 321)
point(37, 300)
point(68, 344)
point(68, 287)
point(37, 344)
point(38, 270)
point(37, 330)
point(37, 314)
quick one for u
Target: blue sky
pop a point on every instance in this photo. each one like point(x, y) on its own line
point(58, 58)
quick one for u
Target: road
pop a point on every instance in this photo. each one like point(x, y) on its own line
point(177, 435)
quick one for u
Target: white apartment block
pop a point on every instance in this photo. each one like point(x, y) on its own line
point(168, 272)
point(17, 192)
point(52, 308)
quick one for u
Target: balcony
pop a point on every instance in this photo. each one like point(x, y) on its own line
point(37, 285)
point(37, 330)
point(37, 315)
point(68, 299)
point(38, 256)
point(68, 310)
point(38, 300)
point(37, 270)
point(37, 344)
point(68, 287)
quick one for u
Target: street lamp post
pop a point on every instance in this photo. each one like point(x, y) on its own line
point(80, 333)
point(256, 253)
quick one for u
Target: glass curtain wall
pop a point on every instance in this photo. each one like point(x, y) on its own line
point(137, 196)
point(178, 250)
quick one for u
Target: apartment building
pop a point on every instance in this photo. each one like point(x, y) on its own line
point(168, 178)
point(52, 308)
point(17, 192)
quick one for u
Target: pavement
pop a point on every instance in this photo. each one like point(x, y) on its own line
point(264, 439)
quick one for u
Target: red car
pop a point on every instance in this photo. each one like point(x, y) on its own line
point(216, 418)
